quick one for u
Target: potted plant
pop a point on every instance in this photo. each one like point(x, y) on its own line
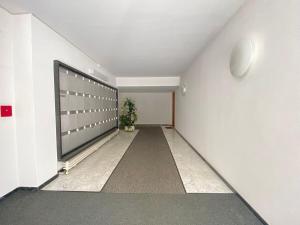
point(128, 115)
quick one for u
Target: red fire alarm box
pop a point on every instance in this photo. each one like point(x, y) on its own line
point(6, 110)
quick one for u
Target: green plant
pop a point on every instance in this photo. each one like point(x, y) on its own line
point(128, 113)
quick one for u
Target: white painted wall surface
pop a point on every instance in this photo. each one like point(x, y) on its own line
point(147, 81)
point(152, 108)
point(28, 139)
point(8, 156)
point(46, 47)
point(249, 129)
point(24, 97)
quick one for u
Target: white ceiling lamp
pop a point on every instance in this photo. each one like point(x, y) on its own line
point(242, 58)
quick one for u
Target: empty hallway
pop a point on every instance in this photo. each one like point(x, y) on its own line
point(149, 112)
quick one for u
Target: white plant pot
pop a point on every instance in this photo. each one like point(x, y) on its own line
point(129, 128)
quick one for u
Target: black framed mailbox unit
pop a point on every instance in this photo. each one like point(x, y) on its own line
point(86, 110)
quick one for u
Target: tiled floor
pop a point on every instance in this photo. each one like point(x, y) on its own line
point(196, 175)
point(93, 172)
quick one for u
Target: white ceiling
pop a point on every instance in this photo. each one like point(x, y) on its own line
point(134, 37)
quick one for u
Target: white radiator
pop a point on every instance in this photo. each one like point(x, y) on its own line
point(69, 164)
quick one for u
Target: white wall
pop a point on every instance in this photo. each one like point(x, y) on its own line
point(249, 129)
point(24, 100)
point(28, 139)
point(46, 47)
point(152, 108)
point(147, 81)
point(8, 156)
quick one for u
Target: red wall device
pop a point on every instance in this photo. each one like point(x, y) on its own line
point(6, 110)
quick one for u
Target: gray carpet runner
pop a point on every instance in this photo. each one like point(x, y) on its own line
point(147, 166)
point(78, 208)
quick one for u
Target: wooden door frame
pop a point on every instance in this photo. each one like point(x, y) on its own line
point(173, 109)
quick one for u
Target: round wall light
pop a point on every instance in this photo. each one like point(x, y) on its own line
point(183, 89)
point(242, 58)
